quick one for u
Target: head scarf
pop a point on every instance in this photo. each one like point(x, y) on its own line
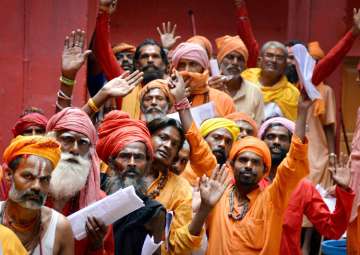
point(28, 120)
point(315, 51)
point(121, 47)
point(236, 116)
point(74, 119)
point(254, 145)
point(215, 123)
point(190, 51)
point(158, 84)
point(227, 44)
point(117, 130)
point(290, 125)
point(203, 42)
point(41, 146)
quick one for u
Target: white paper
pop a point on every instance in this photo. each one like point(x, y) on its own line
point(330, 201)
point(214, 67)
point(305, 65)
point(199, 113)
point(169, 218)
point(149, 246)
point(108, 209)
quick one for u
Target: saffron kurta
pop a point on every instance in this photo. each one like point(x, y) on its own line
point(10, 244)
point(259, 232)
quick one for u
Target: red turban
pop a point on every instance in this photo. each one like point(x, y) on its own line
point(121, 47)
point(117, 130)
point(28, 120)
point(236, 116)
point(255, 145)
point(227, 44)
point(74, 119)
point(158, 84)
point(203, 42)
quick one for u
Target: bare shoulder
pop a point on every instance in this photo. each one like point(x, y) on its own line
point(63, 224)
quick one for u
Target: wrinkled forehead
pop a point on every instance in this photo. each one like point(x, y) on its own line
point(155, 92)
point(73, 134)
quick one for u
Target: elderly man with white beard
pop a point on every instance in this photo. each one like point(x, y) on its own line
point(75, 182)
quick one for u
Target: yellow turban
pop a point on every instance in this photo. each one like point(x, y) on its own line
point(41, 146)
point(215, 123)
point(315, 51)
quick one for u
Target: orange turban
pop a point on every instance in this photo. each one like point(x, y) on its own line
point(28, 120)
point(236, 116)
point(118, 130)
point(315, 51)
point(227, 44)
point(41, 146)
point(121, 47)
point(203, 42)
point(158, 84)
point(254, 145)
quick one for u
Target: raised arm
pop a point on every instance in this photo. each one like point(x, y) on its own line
point(73, 58)
point(168, 37)
point(333, 58)
point(244, 30)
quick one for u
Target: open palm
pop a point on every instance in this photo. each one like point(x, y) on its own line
point(121, 86)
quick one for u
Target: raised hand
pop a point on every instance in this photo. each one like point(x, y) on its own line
point(356, 19)
point(73, 56)
point(211, 189)
point(304, 104)
point(124, 84)
point(167, 36)
point(178, 87)
point(341, 172)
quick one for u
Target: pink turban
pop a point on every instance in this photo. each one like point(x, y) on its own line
point(202, 41)
point(190, 51)
point(290, 125)
point(74, 119)
point(117, 130)
point(28, 120)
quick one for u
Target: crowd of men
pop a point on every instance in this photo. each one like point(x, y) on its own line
point(244, 181)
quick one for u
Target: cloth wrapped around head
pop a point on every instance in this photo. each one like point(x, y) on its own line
point(158, 84)
point(227, 44)
point(28, 120)
point(74, 119)
point(254, 145)
point(236, 116)
point(41, 146)
point(121, 47)
point(117, 130)
point(203, 42)
point(215, 123)
point(315, 51)
point(190, 51)
point(290, 125)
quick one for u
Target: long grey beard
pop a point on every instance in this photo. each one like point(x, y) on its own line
point(117, 182)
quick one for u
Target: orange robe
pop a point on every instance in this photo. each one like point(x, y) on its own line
point(10, 244)
point(353, 236)
point(259, 232)
point(224, 104)
point(176, 196)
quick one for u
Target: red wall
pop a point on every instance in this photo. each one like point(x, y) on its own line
point(31, 37)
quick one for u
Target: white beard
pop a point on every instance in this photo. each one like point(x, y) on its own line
point(68, 178)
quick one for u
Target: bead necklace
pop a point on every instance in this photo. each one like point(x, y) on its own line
point(161, 184)
point(244, 205)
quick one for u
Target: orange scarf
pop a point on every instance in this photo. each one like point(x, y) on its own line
point(198, 81)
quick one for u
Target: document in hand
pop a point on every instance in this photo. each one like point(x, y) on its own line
point(305, 65)
point(108, 209)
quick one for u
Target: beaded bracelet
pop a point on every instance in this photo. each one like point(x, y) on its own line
point(66, 81)
point(92, 105)
point(183, 104)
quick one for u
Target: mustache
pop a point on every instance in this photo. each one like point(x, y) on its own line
point(153, 109)
point(149, 66)
point(221, 159)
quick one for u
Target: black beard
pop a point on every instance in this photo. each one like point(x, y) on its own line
point(248, 183)
point(221, 159)
point(277, 158)
point(152, 74)
point(291, 74)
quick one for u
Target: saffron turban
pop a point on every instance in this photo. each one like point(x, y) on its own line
point(215, 123)
point(255, 145)
point(203, 42)
point(28, 120)
point(290, 125)
point(117, 130)
point(158, 84)
point(236, 116)
point(190, 51)
point(74, 119)
point(121, 47)
point(315, 51)
point(41, 146)
point(227, 44)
